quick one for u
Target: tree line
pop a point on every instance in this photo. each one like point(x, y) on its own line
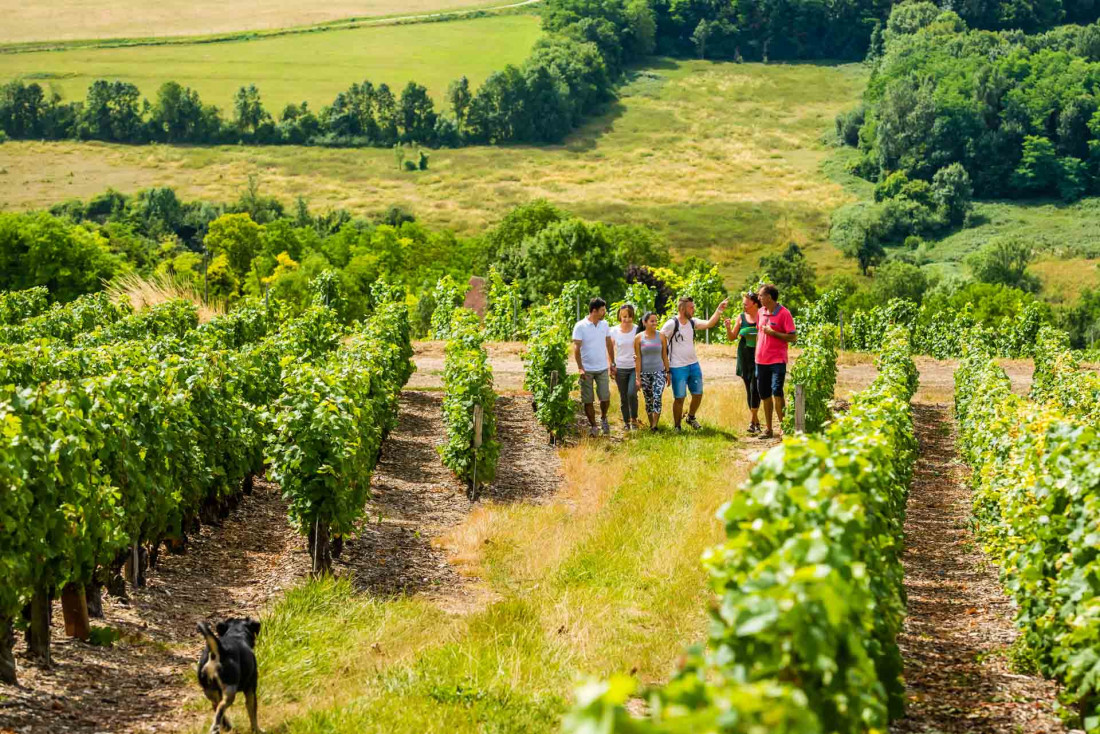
point(763, 30)
point(569, 74)
point(1018, 112)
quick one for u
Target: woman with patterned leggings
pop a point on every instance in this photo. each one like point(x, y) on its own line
point(651, 356)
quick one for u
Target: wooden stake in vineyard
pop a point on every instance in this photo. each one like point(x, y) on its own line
point(74, 607)
point(472, 490)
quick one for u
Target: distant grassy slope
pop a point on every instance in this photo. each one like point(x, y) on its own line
point(72, 19)
point(313, 67)
point(1066, 237)
point(726, 158)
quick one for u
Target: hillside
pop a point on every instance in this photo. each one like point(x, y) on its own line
point(726, 159)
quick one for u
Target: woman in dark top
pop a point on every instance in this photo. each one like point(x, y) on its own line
point(743, 330)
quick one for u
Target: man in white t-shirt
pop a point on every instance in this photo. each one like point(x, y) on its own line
point(592, 348)
point(687, 375)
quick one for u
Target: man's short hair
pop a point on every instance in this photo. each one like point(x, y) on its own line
point(686, 299)
point(596, 304)
point(771, 290)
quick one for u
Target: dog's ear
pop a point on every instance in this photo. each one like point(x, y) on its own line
point(222, 628)
point(253, 627)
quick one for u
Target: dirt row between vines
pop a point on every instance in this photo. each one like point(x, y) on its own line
point(960, 622)
point(242, 565)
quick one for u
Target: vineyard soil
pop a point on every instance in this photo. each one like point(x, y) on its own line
point(959, 629)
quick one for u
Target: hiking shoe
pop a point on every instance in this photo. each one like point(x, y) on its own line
point(766, 435)
point(754, 428)
point(693, 423)
point(678, 429)
point(593, 431)
point(606, 427)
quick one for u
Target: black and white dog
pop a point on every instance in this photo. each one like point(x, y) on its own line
point(227, 667)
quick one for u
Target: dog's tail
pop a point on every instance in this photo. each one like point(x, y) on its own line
point(211, 640)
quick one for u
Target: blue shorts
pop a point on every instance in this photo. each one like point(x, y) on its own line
point(770, 379)
point(687, 378)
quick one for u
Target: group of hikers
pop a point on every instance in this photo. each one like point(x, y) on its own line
point(644, 358)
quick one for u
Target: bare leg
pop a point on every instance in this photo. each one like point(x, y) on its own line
point(755, 415)
point(767, 403)
point(780, 407)
point(696, 400)
point(604, 405)
point(677, 411)
point(590, 411)
point(250, 704)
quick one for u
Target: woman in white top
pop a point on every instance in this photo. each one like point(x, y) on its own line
point(625, 368)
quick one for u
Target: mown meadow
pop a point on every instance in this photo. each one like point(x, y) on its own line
point(312, 67)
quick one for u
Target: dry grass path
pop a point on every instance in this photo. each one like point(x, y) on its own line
point(959, 626)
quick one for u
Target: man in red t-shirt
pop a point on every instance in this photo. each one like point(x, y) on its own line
point(776, 334)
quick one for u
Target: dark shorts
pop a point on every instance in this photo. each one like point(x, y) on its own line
point(770, 379)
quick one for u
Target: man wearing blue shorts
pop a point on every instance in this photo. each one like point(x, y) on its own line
point(687, 375)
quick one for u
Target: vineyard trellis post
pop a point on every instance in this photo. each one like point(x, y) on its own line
point(553, 384)
point(842, 331)
point(205, 279)
point(799, 408)
point(477, 440)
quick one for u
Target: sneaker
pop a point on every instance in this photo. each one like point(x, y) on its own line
point(766, 435)
point(606, 427)
point(693, 423)
point(678, 429)
point(754, 428)
point(593, 431)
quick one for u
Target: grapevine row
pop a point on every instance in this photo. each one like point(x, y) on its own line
point(1037, 505)
point(803, 638)
point(328, 425)
point(110, 445)
point(468, 383)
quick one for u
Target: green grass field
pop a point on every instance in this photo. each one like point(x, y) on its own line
point(727, 159)
point(313, 67)
point(83, 19)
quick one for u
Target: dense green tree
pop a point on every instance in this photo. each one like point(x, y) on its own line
point(856, 232)
point(417, 114)
point(387, 115)
point(248, 109)
point(178, 116)
point(112, 111)
point(898, 279)
point(566, 251)
point(238, 238)
point(40, 249)
point(459, 96)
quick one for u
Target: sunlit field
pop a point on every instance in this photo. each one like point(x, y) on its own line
point(83, 19)
point(725, 158)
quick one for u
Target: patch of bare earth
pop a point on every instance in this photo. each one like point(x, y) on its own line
point(241, 565)
point(959, 626)
point(139, 684)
